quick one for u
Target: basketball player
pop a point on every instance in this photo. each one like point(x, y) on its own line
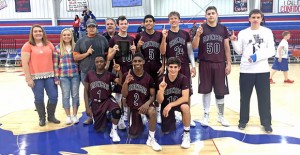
point(123, 60)
point(173, 95)
point(177, 43)
point(256, 44)
point(148, 43)
point(139, 90)
point(97, 88)
point(214, 63)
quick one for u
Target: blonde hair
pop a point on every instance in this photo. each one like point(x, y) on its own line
point(62, 43)
point(31, 39)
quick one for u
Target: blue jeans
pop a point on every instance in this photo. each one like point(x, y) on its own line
point(70, 85)
point(82, 77)
point(45, 84)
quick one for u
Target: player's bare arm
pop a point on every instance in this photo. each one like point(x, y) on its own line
point(86, 100)
point(144, 108)
point(228, 56)
point(196, 38)
point(161, 90)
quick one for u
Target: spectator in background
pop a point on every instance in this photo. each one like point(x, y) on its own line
point(141, 28)
point(281, 59)
point(193, 30)
point(66, 74)
point(76, 25)
point(37, 63)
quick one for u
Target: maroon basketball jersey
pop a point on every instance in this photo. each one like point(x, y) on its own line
point(211, 45)
point(139, 90)
point(177, 45)
point(100, 88)
point(124, 62)
point(174, 89)
point(150, 48)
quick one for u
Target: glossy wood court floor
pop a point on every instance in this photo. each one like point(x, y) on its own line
point(20, 133)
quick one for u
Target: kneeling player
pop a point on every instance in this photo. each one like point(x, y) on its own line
point(139, 91)
point(97, 87)
point(173, 95)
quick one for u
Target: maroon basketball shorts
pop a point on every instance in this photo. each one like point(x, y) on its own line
point(212, 75)
point(136, 126)
point(168, 124)
point(99, 112)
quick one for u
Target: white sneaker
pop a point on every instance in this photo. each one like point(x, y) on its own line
point(144, 119)
point(222, 120)
point(158, 117)
point(152, 142)
point(114, 135)
point(186, 140)
point(68, 120)
point(75, 119)
point(205, 119)
point(192, 124)
point(178, 117)
point(121, 124)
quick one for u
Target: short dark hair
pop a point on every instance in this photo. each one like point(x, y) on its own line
point(211, 8)
point(256, 11)
point(174, 60)
point(121, 18)
point(174, 13)
point(149, 16)
point(138, 54)
point(101, 55)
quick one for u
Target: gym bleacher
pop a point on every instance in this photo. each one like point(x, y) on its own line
point(14, 34)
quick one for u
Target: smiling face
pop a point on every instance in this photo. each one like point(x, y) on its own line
point(37, 33)
point(138, 63)
point(66, 36)
point(173, 69)
point(174, 21)
point(149, 23)
point(123, 25)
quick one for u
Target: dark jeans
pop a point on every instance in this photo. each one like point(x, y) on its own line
point(262, 87)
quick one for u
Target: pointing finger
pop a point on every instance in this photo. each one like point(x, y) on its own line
point(232, 32)
point(114, 61)
point(129, 72)
point(164, 27)
point(141, 38)
point(163, 79)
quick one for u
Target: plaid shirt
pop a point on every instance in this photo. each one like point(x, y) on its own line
point(64, 66)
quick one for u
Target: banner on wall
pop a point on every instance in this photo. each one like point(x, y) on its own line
point(2, 4)
point(240, 6)
point(126, 3)
point(288, 6)
point(76, 5)
point(22, 6)
point(266, 6)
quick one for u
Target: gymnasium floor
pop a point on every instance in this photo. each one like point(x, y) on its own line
point(20, 133)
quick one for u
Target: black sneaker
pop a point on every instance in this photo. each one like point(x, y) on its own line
point(268, 129)
point(242, 126)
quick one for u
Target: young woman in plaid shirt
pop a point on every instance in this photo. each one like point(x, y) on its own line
point(66, 74)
